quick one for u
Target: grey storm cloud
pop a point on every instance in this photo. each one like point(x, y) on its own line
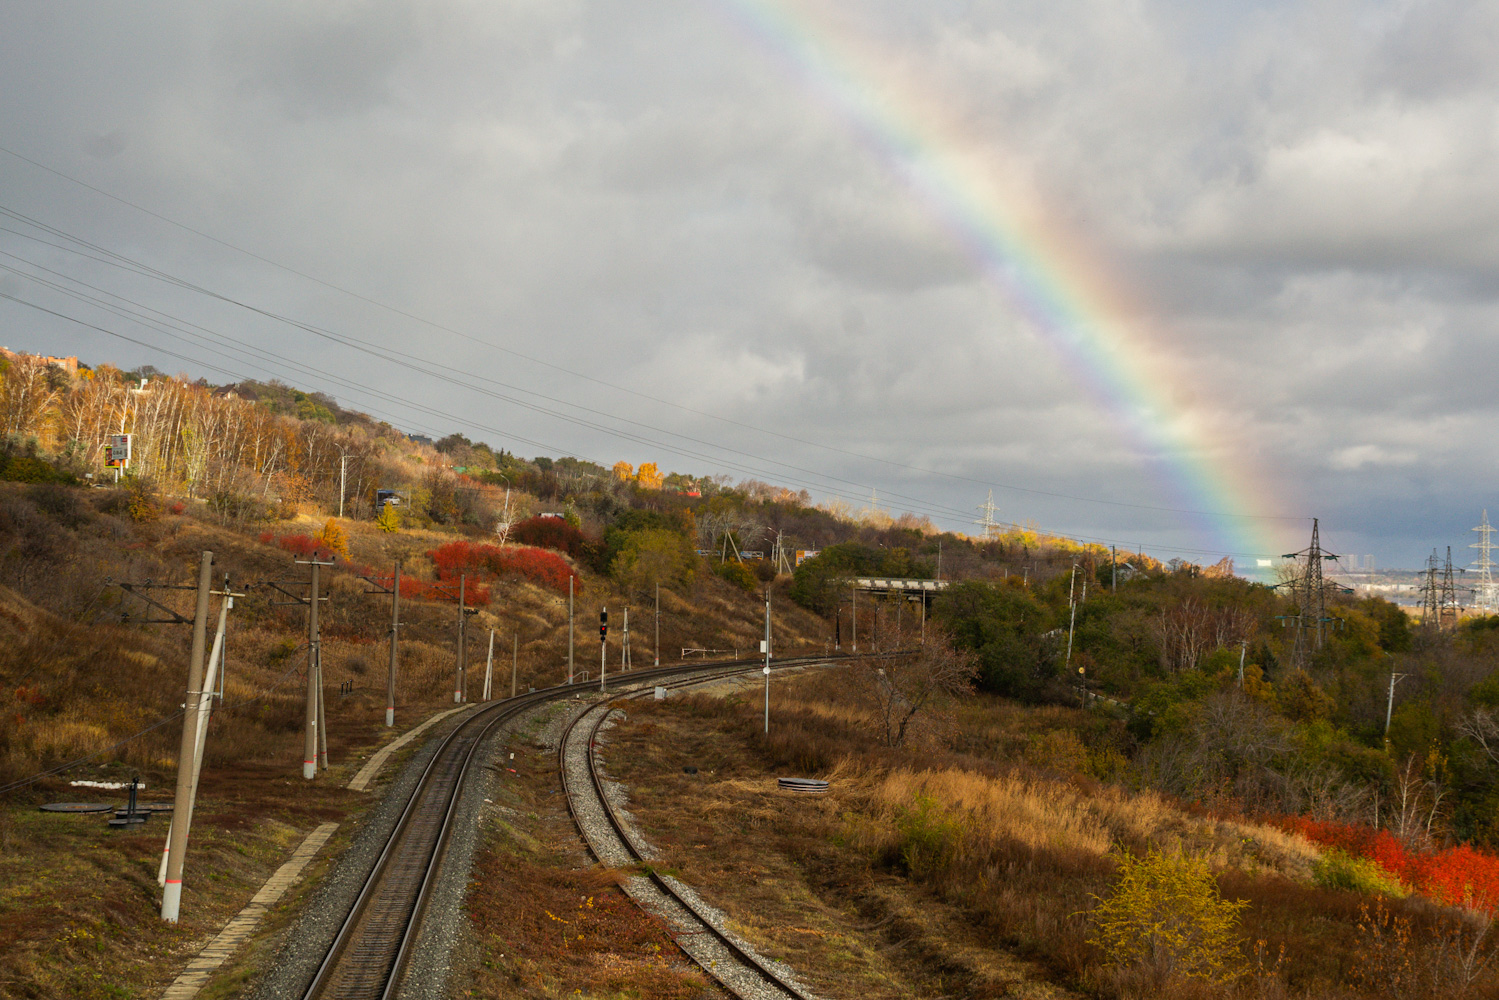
point(1299, 199)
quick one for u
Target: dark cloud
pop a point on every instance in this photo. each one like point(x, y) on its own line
point(1295, 200)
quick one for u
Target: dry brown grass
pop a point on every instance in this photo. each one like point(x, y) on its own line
point(1019, 850)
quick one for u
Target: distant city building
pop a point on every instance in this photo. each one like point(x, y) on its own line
point(68, 364)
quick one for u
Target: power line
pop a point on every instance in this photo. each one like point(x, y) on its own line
point(921, 505)
point(233, 346)
point(396, 310)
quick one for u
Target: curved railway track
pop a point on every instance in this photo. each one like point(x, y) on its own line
point(369, 953)
point(733, 964)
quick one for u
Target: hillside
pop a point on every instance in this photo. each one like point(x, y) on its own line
point(1093, 710)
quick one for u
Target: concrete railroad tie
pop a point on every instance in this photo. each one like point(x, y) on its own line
point(238, 930)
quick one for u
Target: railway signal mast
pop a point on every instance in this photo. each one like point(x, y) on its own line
point(603, 645)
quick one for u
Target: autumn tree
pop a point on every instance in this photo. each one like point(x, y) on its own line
point(651, 557)
point(623, 471)
point(25, 395)
point(649, 477)
point(334, 538)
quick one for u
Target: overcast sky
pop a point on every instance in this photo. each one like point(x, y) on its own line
point(577, 198)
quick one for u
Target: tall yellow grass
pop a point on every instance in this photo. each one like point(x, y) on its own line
point(997, 814)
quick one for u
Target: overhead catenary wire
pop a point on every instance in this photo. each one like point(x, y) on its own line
point(396, 310)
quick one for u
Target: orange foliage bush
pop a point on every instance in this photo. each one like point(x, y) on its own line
point(1453, 876)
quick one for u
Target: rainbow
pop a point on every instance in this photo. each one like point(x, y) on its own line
point(1066, 297)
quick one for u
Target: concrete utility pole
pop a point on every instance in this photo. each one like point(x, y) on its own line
point(603, 645)
point(624, 643)
point(1389, 708)
point(322, 718)
point(1113, 570)
point(343, 471)
point(1071, 626)
point(395, 638)
point(657, 644)
point(570, 629)
point(458, 684)
point(856, 619)
point(514, 661)
point(767, 660)
point(171, 897)
point(1243, 648)
point(314, 694)
point(489, 667)
point(205, 707)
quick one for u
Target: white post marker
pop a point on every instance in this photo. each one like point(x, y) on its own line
point(514, 661)
point(765, 647)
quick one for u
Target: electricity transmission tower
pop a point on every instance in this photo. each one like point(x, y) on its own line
point(1309, 591)
point(1450, 611)
point(1430, 595)
point(1483, 589)
point(987, 522)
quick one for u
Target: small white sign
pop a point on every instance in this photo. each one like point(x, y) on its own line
point(765, 671)
point(762, 645)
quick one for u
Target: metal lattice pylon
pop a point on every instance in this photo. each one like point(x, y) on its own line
point(1309, 590)
point(987, 522)
point(1483, 588)
point(1449, 611)
point(1431, 602)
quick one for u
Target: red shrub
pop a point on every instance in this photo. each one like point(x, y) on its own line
point(550, 533)
point(475, 594)
point(1454, 876)
point(537, 565)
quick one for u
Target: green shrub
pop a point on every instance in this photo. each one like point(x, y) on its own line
point(1337, 870)
point(740, 576)
point(930, 837)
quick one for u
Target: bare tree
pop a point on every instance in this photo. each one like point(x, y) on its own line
point(903, 684)
point(1482, 727)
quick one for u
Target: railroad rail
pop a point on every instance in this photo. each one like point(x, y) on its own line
point(736, 967)
point(369, 953)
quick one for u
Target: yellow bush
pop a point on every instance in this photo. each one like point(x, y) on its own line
point(1167, 915)
point(389, 520)
point(334, 538)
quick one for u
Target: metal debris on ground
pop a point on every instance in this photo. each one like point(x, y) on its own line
point(76, 807)
point(802, 785)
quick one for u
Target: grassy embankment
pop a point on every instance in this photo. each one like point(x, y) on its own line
point(967, 864)
point(78, 909)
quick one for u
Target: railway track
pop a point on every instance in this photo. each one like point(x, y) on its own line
point(370, 951)
point(732, 963)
